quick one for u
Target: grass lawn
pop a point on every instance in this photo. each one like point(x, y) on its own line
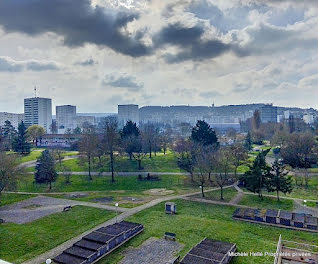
point(267, 202)
point(159, 163)
point(103, 183)
point(22, 242)
point(228, 194)
point(36, 152)
point(9, 198)
point(196, 221)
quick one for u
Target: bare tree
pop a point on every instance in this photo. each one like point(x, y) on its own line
point(204, 161)
point(223, 162)
point(299, 152)
point(239, 154)
point(140, 151)
point(87, 146)
point(165, 140)
point(111, 143)
point(9, 172)
point(150, 135)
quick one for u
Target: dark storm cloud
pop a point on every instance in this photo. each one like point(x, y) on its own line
point(77, 21)
point(123, 81)
point(193, 47)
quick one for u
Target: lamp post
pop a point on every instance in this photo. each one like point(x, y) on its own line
point(305, 203)
point(116, 204)
point(48, 261)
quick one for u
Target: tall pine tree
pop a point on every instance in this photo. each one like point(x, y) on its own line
point(278, 179)
point(20, 143)
point(255, 178)
point(203, 134)
point(45, 169)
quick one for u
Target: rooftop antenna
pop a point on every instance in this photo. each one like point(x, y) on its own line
point(35, 91)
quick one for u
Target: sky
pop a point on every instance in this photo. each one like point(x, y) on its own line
point(96, 54)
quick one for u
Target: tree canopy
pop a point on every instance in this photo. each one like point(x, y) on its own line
point(202, 133)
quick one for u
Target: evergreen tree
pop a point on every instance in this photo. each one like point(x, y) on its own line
point(130, 129)
point(20, 143)
point(130, 134)
point(278, 179)
point(255, 178)
point(203, 134)
point(248, 141)
point(9, 133)
point(45, 169)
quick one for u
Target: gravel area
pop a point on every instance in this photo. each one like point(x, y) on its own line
point(159, 251)
point(32, 209)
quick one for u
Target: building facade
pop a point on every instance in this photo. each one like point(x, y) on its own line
point(85, 121)
point(126, 113)
point(268, 113)
point(15, 119)
point(38, 111)
point(65, 118)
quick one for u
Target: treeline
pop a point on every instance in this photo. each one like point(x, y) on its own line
point(19, 140)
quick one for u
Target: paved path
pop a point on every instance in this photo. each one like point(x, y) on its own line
point(32, 163)
point(300, 208)
point(59, 249)
point(237, 198)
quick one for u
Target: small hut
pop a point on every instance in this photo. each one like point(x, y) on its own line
point(285, 217)
point(311, 222)
point(271, 216)
point(170, 208)
point(298, 220)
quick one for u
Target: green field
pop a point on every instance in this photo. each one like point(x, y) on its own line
point(9, 198)
point(103, 183)
point(22, 242)
point(267, 202)
point(196, 221)
point(36, 152)
point(158, 163)
point(228, 194)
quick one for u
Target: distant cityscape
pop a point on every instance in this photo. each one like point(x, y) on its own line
point(38, 111)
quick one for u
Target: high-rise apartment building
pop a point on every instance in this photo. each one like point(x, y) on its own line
point(15, 119)
point(38, 111)
point(268, 113)
point(126, 113)
point(65, 118)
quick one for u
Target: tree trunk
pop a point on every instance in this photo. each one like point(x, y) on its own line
point(50, 185)
point(164, 151)
point(209, 175)
point(150, 150)
point(130, 156)
point(235, 172)
point(89, 169)
point(222, 198)
point(112, 165)
point(277, 195)
point(202, 191)
point(139, 164)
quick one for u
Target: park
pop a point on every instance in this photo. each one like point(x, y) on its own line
point(61, 204)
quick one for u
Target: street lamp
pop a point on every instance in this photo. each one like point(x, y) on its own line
point(48, 261)
point(116, 204)
point(305, 203)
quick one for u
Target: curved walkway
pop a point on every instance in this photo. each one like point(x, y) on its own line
point(59, 249)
